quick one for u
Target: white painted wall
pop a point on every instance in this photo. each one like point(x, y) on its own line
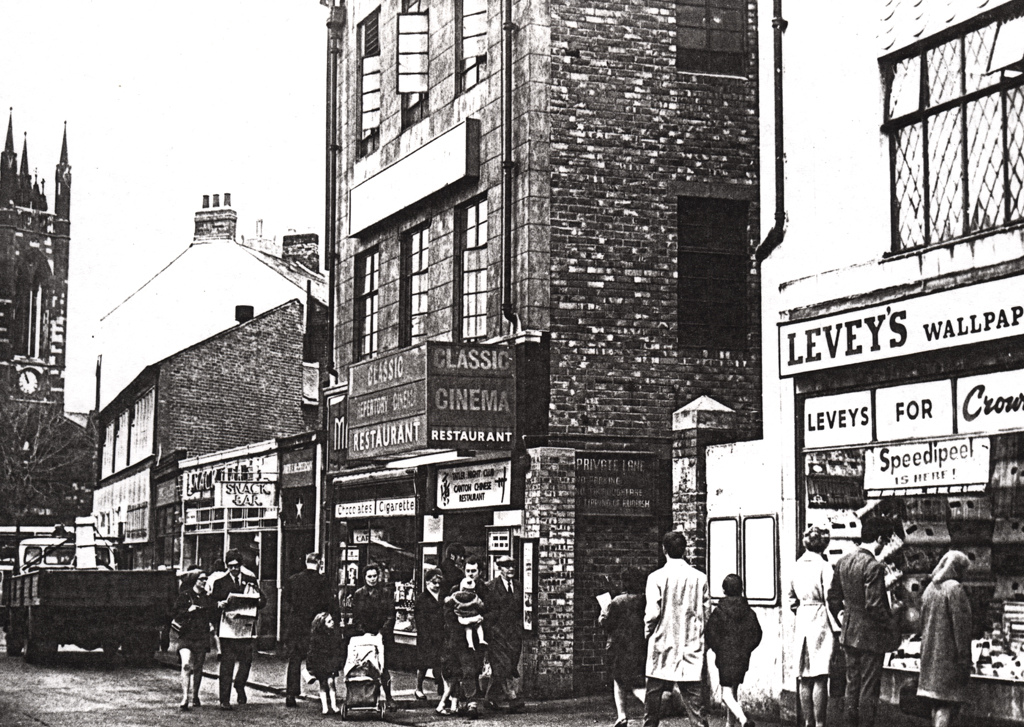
point(191, 299)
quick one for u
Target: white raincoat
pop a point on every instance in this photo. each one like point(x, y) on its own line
point(678, 605)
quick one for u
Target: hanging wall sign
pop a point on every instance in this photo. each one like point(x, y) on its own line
point(939, 467)
point(487, 484)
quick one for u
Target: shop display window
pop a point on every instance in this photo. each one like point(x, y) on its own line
point(983, 520)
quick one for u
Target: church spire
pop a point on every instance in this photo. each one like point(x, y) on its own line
point(62, 181)
point(9, 167)
point(24, 198)
point(9, 147)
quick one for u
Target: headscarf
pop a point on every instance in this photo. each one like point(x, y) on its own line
point(952, 567)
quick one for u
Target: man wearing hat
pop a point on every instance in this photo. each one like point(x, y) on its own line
point(504, 627)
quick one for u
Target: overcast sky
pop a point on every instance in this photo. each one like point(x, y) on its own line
point(164, 102)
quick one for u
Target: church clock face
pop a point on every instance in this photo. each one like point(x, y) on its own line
point(28, 381)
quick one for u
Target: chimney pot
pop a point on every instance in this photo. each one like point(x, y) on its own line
point(243, 313)
point(206, 201)
point(227, 199)
point(216, 200)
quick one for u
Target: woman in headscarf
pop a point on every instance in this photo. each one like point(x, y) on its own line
point(815, 629)
point(946, 639)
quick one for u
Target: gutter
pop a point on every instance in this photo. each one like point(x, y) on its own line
point(778, 232)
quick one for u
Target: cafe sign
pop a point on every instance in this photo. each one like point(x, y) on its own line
point(434, 396)
point(972, 314)
point(941, 467)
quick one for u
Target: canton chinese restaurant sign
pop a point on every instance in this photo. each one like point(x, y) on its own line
point(433, 396)
point(620, 484)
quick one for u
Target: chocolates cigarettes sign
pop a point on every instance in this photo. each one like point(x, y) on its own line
point(971, 314)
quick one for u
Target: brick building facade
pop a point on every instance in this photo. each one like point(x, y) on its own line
point(628, 189)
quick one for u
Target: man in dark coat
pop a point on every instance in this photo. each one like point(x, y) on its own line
point(467, 662)
point(305, 595)
point(504, 630)
point(451, 567)
point(858, 590)
point(373, 612)
point(237, 633)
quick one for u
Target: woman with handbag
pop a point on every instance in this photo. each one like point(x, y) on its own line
point(946, 639)
point(815, 627)
point(193, 617)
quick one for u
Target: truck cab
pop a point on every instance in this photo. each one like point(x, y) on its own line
point(58, 552)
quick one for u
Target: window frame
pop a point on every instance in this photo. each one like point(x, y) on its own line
point(481, 296)
point(731, 331)
point(471, 71)
point(742, 548)
point(709, 57)
point(366, 304)
point(368, 138)
point(415, 266)
point(1008, 206)
point(415, 105)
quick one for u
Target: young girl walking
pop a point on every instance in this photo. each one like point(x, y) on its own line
point(733, 633)
point(325, 657)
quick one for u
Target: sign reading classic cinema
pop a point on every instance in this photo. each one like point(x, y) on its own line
point(436, 395)
point(971, 314)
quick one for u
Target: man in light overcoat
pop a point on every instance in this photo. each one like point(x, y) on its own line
point(678, 605)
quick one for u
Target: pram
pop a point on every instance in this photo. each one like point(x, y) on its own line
point(363, 666)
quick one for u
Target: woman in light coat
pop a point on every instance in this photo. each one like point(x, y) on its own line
point(946, 639)
point(815, 629)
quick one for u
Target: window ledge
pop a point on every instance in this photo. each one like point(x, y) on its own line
point(947, 244)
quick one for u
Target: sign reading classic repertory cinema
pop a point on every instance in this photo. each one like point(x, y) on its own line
point(436, 395)
point(971, 314)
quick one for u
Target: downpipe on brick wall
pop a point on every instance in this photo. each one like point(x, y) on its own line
point(778, 231)
point(508, 170)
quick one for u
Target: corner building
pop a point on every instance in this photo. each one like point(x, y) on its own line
point(545, 294)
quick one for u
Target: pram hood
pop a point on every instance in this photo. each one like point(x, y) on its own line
point(365, 656)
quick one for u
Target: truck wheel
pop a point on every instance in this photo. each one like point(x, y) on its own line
point(110, 649)
point(38, 648)
point(139, 648)
point(14, 645)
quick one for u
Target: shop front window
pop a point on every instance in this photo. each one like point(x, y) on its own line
point(981, 515)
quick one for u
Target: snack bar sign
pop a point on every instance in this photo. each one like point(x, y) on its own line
point(971, 314)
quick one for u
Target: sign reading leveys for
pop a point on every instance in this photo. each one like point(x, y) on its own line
point(433, 396)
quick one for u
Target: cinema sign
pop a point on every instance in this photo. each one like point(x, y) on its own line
point(433, 396)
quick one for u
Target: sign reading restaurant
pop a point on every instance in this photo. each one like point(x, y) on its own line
point(435, 395)
point(971, 314)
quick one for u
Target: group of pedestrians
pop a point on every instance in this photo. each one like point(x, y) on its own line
point(663, 635)
point(462, 623)
point(223, 604)
point(849, 603)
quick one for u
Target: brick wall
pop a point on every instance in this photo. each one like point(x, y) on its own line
point(550, 516)
point(629, 134)
point(239, 387)
point(605, 548)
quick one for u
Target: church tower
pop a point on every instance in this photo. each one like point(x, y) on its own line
point(34, 246)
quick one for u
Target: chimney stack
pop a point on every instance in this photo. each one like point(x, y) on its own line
point(216, 222)
point(303, 249)
point(243, 313)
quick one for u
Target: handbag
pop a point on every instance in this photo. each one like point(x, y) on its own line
point(913, 705)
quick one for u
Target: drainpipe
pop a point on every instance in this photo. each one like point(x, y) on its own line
point(335, 31)
point(775, 235)
point(508, 169)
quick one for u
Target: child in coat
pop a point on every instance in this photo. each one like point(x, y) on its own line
point(733, 633)
point(470, 610)
point(325, 657)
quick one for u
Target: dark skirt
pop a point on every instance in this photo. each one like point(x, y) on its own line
point(628, 664)
point(730, 674)
point(197, 645)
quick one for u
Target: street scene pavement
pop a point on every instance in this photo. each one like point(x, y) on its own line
point(84, 689)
